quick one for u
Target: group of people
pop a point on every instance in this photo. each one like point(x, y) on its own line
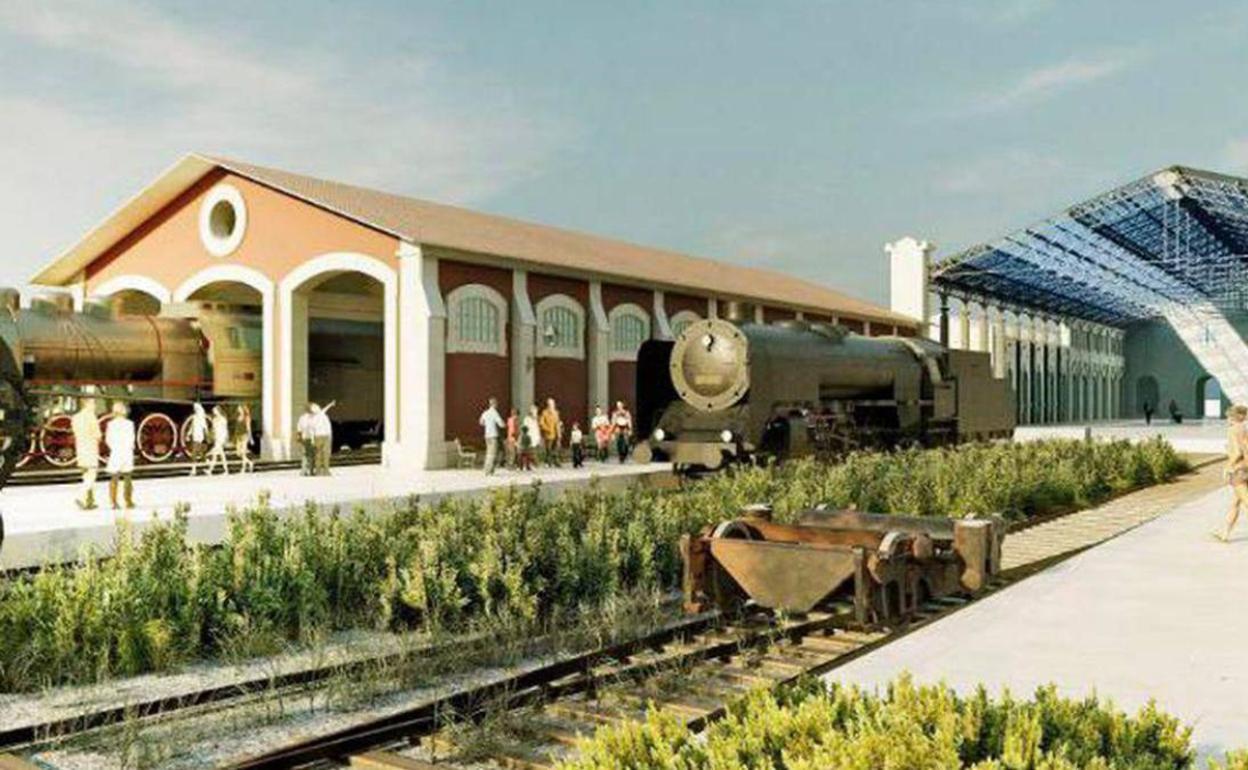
point(542, 433)
point(316, 439)
point(120, 438)
point(217, 427)
point(1176, 416)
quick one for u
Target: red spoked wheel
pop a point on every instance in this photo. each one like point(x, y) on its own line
point(56, 441)
point(185, 436)
point(32, 449)
point(104, 453)
point(158, 437)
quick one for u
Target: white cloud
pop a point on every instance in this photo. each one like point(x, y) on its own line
point(1045, 82)
point(997, 172)
point(389, 121)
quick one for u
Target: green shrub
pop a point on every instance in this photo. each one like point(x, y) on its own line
point(512, 557)
point(910, 727)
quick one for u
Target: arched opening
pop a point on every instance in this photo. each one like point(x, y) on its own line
point(229, 318)
point(338, 354)
point(1209, 400)
point(135, 302)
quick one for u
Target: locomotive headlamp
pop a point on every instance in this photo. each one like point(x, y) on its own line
point(726, 436)
point(659, 434)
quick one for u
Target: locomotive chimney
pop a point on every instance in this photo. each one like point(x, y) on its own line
point(735, 311)
point(52, 303)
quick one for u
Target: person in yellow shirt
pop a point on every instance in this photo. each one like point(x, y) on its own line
point(552, 433)
point(87, 435)
point(1236, 470)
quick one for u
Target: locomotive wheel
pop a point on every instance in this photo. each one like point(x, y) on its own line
point(32, 447)
point(158, 437)
point(56, 441)
point(184, 436)
point(104, 421)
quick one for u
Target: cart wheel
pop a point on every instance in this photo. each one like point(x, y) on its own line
point(56, 441)
point(158, 437)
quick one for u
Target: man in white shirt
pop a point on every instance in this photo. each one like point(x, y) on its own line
point(303, 433)
point(322, 438)
point(491, 422)
point(119, 437)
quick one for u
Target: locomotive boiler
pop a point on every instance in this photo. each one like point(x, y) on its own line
point(161, 365)
point(725, 391)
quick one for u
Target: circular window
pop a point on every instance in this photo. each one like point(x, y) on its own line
point(222, 220)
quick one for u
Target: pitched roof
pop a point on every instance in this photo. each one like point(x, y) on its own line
point(435, 224)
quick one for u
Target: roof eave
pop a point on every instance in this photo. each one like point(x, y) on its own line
point(65, 268)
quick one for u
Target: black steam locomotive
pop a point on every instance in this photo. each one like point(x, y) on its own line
point(726, 391)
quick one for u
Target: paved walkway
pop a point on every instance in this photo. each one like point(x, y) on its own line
point(43, 523)
point(1156, 612)
point(1189, 436)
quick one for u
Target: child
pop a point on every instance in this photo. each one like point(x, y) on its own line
point(576, 440)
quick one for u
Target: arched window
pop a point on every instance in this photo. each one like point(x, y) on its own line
point(476, 320)
point(682, 320)
point(560, 327)
point(630, 326)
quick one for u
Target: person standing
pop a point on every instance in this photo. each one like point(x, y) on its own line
point(531, 438)
point(1236, 470)
point(242, 438)
point(220, 438)
point(119, 437)
point(576, 443)
point(1176, 416)
point(622, 427)
point(86, 429)
point(513, 438)
point(552, 433)
point(1148, 413)
point(307, 447)
point(601, 427)
point(198, 436)
point(491, 421)
point(322, 438)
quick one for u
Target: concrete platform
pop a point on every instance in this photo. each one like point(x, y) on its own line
point(42, 524)
point(1194, 436)
point(1157, 612)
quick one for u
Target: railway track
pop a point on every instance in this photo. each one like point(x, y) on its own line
point(532, 719)
point(50, 476)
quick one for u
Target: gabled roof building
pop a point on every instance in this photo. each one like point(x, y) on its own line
point(444, 306)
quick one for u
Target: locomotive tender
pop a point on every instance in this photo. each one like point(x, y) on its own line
point(195, 351)
point(726, 391)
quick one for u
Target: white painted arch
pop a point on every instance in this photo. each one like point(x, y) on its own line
point(327, 265)
point(130, 282)
point(264, 286)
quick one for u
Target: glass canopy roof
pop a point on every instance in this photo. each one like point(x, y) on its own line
point(1177, 237)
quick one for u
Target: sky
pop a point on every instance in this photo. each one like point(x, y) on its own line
point(799, 136)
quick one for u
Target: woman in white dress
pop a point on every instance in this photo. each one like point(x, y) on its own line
point(119, 437)
point(220, 437)
point(197, 436)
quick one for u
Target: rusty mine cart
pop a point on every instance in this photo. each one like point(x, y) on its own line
point(885, 566)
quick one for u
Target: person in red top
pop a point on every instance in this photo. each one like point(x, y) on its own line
point(513, 438)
